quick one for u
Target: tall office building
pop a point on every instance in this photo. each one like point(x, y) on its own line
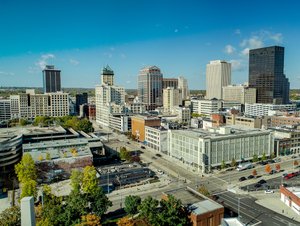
point(81, 98)
point(107, 76)
point(218, 74)
point(266, 75)
point(51, 79)
point(183, 85)
point(171, 98)
point(170, 82)
point(150, 87)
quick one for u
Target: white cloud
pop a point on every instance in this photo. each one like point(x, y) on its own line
point(4, 73)
point(276, 37)
point(237, 32)
point(43, 61)
point(229, 49)
point(237, 65)
point(245, 51)
point(74, 62)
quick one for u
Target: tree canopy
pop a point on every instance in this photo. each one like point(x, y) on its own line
point(131, 204)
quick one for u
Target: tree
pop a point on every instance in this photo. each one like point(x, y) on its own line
point(148, 210)
point(264, 158)
point(25, 169)
point(131, 204)
point(23, 122)
point(268, 168)
point(233, 162)
point(40, 158)
point(172, 212)
point(277, 166)
point(28, 188)
point(90, 220)
point(89, 179)
point(124, 154)
point(48, 156)
point(11, 216)
point(125, 221)
point(254, 172)
point(223, 164)
point(85, 125)
point(99, 202)
point(295, 163)
point(76, 178)
point(272, 155)
point(203, 190)
point(255, 158)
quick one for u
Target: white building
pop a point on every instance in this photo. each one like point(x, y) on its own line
point(30, 105)
point(183, 115)
point(239, 93)
point(5, 110)
point(205, 149)
point(183, 85)
point(291, 197)
point(121, 123)
point(137, 108)
point(265, 109)
point(171, 98)
point(218, 75)
point(156, 138)
point(206, 106)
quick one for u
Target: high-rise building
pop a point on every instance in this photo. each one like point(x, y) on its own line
point(266, 74)
point(81, 98)
point(107, 76)
point(5, 110)
point(51, 79)
point(170, 82)
point(183, 85)
point(218, 74)
point(171, 98)
point(150, 87)
point(239, 93)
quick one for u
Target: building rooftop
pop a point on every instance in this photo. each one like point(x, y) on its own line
point(224, 131)
point(294, 190)
point(204, 207)
point(186, 196)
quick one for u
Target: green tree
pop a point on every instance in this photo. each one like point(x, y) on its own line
point(148, 210)
point(264, 158)
point(233, 162)
point(272, 156)
point(99, 202)
point(48, 156)
point(223, 164)
point(11, 216)
point(124, 154)
point(172, 212)
point(85, 125)
point(28, 188)
point(26, 169)
point(255, 158)
point(23, 122)
point(131, 204)
point(89, 179)
point(76, 178)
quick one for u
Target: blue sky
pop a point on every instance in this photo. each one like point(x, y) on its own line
point(180, 37)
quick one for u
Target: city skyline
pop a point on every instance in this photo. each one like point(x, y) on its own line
point(180, 39)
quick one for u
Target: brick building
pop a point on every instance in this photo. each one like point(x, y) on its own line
point(138, 124)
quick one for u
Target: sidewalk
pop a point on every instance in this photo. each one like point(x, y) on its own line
point(273, 202)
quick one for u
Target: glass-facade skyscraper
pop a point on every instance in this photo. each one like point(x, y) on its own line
point(51, 79)
point(266, 74)
point(150, 87)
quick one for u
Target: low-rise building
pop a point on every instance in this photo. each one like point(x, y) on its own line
point(206, 107)
point(251, 122)
point(239, 93)
point(156, 138)
point(138, 124)
point(120, 122)
point(183, 115)
point(206, 149)
point(258, 109)
point(284, 120)
point(291, 197)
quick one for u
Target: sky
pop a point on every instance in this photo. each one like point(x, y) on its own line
point(79, 37)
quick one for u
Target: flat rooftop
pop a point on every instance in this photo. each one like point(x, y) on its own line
point(204, 207)
point(55, 144)
point(32, 130)
point(294, 190)
point(187, 197)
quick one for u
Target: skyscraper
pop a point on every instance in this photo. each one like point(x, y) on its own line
point(150, 87)
point(51, 79)
point(218, 74)
point(107, 76)
point(81, 98)
point(183, 85)
point(266, 75)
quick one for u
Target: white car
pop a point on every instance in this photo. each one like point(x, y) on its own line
point(160, 172)
point(269, 191)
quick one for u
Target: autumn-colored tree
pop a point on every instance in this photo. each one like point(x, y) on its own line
point(25, 169)
point(254, 172)
point(268, 168)
point(48, 156)
point(90, 220)
point(277, 166)
point(233, 162)
point(203, 190)
point(40, 158)
point(89, 179)
point(125, 221)
point(10, 216)
point(296, 163)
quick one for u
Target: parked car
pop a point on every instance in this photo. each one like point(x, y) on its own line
point(293, 157)
point(273, 171)
point(271, 161)
point(143, 147)
point(257, 185)
point(250, 177)
point(158, 155)
point(262, 181)
point(242, 178)
point(269, 191)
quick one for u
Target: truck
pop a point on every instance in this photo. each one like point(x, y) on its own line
point(244, 166)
